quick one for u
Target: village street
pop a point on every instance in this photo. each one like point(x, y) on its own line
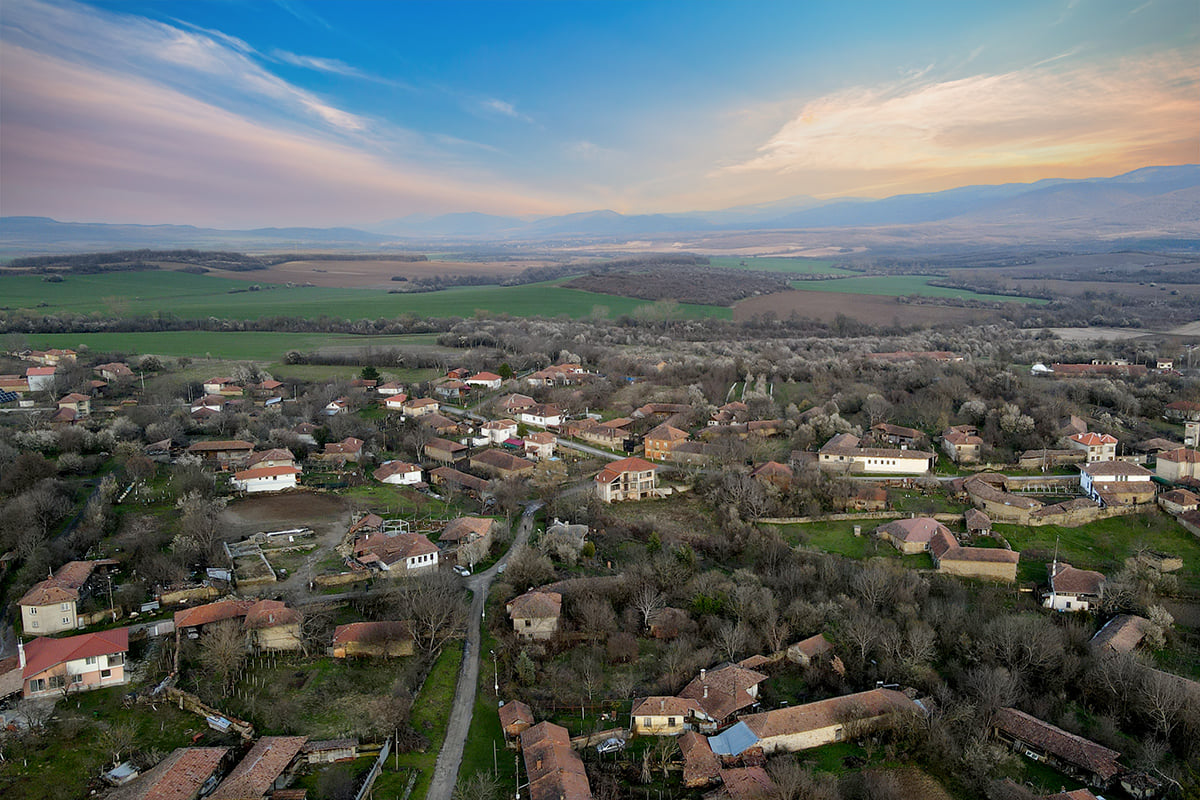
point(445, 774)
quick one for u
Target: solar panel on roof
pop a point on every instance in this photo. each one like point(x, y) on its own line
point(9, 397)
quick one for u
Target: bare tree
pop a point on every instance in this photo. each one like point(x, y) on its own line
point(223, 650)
point(1164, 697)
point(199, 524)
point(117, 738)
point(649, 602)
point(434, 604)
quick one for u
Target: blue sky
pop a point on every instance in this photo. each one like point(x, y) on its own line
point(235, 113)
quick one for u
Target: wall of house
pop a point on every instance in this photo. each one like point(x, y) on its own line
point(89, 676)
point(987, 570)
point(280, 482)
point(280, 637)
point(393, 649)
point(1174, 470)
point(657, 725)
point(49, 619)
point(1060, 602)
point(534, 628)
point(804, 740)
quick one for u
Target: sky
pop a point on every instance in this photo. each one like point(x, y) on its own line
point(247, 113)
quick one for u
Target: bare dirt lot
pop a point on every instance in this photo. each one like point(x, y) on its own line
point(375, 273)
point(825, 306)
point(279, 512)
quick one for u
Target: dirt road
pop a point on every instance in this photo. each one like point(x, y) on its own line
point(445, 774)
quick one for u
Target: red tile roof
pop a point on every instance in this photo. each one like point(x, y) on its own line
point(62, 587)
point(211, 612)
point(748, 783)
point(179, 776)
point(385, 631)
point(824, 713)
point(269, 613)
point(255, 773)
point(1182, 455)
point(632, 464)
point(1068, 747)
point(1093, 439)
point(727, 690)
point(536, 605)
point(515, 711)
point(42, 653)
point(265, 472)
point(465, 528)
point(700, 764)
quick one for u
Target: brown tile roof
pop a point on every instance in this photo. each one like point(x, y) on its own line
point(465, 528)
point(444, 445)
point(1077, 794)
point(700, 764)
point(664, 706)
point(212, 612)
point(179, 776)
point(632, 464)
point(976, 520)
point(536, 605)
point(727, 689)
point(897, 430)
point(772, 469)
point(515, 711)
point(346, 446)
point(920, 529)
point(666, 433)
point(205, 447)
point(1065, 746)
point(269, 613)
point(275, 454)
point(1093, 439)
point(62, 587)
point(500, 460)
point(959, 438)
point(1069, 580)
point(748, 783)
point(384, 631)
point(453, 476)
point(1102, 469)
point(1180, 497)
point(393, 548)
point(391, 468)
point(42, 653)
point(824, 713)
point(1183, 455)
point(1121, 634)
point(814, 645)
point(255, 773)
point(555, 771)
point(995, 555)
point(265, 472)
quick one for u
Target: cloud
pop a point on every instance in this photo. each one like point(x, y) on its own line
point(506, 109)
point(1026, 118)
point(214, 66)
point(587, 151)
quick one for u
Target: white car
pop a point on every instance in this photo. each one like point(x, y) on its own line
point(611, 745)
point(461, 570)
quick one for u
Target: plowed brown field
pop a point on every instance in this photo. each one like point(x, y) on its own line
point(872, 309)
point(374, 272)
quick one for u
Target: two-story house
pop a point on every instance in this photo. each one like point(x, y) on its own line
point(628, 479)
point(73, 664)
point(1097, 446)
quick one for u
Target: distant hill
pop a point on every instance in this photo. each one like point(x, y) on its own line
point(1158, 202)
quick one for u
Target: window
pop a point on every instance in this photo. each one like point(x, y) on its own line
point(528, 623)
point(90, 660)
point(57, 682)
point(66, 620)
point(671, 722)
point(116, 659)
point(76, 678)
point(106, 673)
point(649, 722)
point(37, 685)
point(65, 607)
point(33, 610)
point(34, 624)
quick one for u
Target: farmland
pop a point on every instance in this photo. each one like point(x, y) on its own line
point(902, 286)
point(796, 266)
point(188, 296)
point(226, 345)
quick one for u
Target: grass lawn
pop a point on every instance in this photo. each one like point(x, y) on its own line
point(186, 296)
point(838, 537)
point(902, 286)
point(485, 741)
point(231, 345)
point(430, 713)
point(62, 761)
point(799, 266)
point(1104, 545)
point(918, 503)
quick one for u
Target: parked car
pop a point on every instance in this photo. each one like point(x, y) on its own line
point(461, 570)
point(611, 745)
point(500, 569)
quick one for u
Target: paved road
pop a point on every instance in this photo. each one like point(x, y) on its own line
point(595, 451)
point(445, 774)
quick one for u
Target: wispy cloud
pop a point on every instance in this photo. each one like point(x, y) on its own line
point(1033, 117)
point(503, 108)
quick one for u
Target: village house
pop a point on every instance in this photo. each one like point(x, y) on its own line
point(180, 776)
point(723, 692)
point(52, 605)
point(1181, 411)
point(349, 449)
point(467, 530)
point(485, 380)
point(728, 414)
point(1097, 446)
point(442, 424)
point(1179, 501)
point(395, 402)
point(390, 389)
point(1121, 634)
point(223, 453)
point(1072, 589)
point(662, 440)
point(554, 770)
point(190, 622)
point(40, 379)
point(17, 384)
point(962, 444)
point(515, 403)
point(81, 404)
point(843, 453)
point(515, 719)
point(266, 479)
point(499, 431)
point(701, 767)
point(271, 625)
point(989, 563)
point(557, 375)
point(306, 432)
point(1116, 482)
point(977, 522)
point(1178, 466)
point(73, 664)
point(399, 473)
point(540, 445)
point(276, 457)
point(399, 554)
point(420, 406)
point(535, 614)
point(377, 639)
point(807, 651)
point(867, 498)
point(1191, 433)
point(209, 402)
point(774, 473)
point(611, 434)
point(500, 463)
point(454, 480)
point(911, 536)
point(664, 411)
point(1078, 757)
point(897, 435)
point(451, 389)
point(664, 716)
point(335, 407)
point(223, 386)
point(542, 416)
point(266, 388)
point(788, 730)
point(268, 766)
point(628, 479)
point(444, 451)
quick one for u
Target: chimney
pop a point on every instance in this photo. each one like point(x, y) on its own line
point(662, 704)
point(538, 765)
point(706, 691)
point(702, 671)
point(21, 652)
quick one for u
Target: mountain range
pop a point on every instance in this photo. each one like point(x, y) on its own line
point(1153, 202)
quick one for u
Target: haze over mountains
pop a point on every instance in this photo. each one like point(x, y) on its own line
point(1149, 203)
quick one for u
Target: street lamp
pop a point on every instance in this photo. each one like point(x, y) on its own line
point(495, 675)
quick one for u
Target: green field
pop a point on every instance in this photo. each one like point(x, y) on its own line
point(186, 296)
point(902, 286)
point(232, 345)
point(798, 266)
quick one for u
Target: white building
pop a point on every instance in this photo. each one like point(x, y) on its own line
point(399, 473)
point(542, 416)
point(499, 431)
point(266, 479)
point(1098, 446)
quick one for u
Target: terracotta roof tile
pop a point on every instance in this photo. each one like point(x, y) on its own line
point(1066, 746)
